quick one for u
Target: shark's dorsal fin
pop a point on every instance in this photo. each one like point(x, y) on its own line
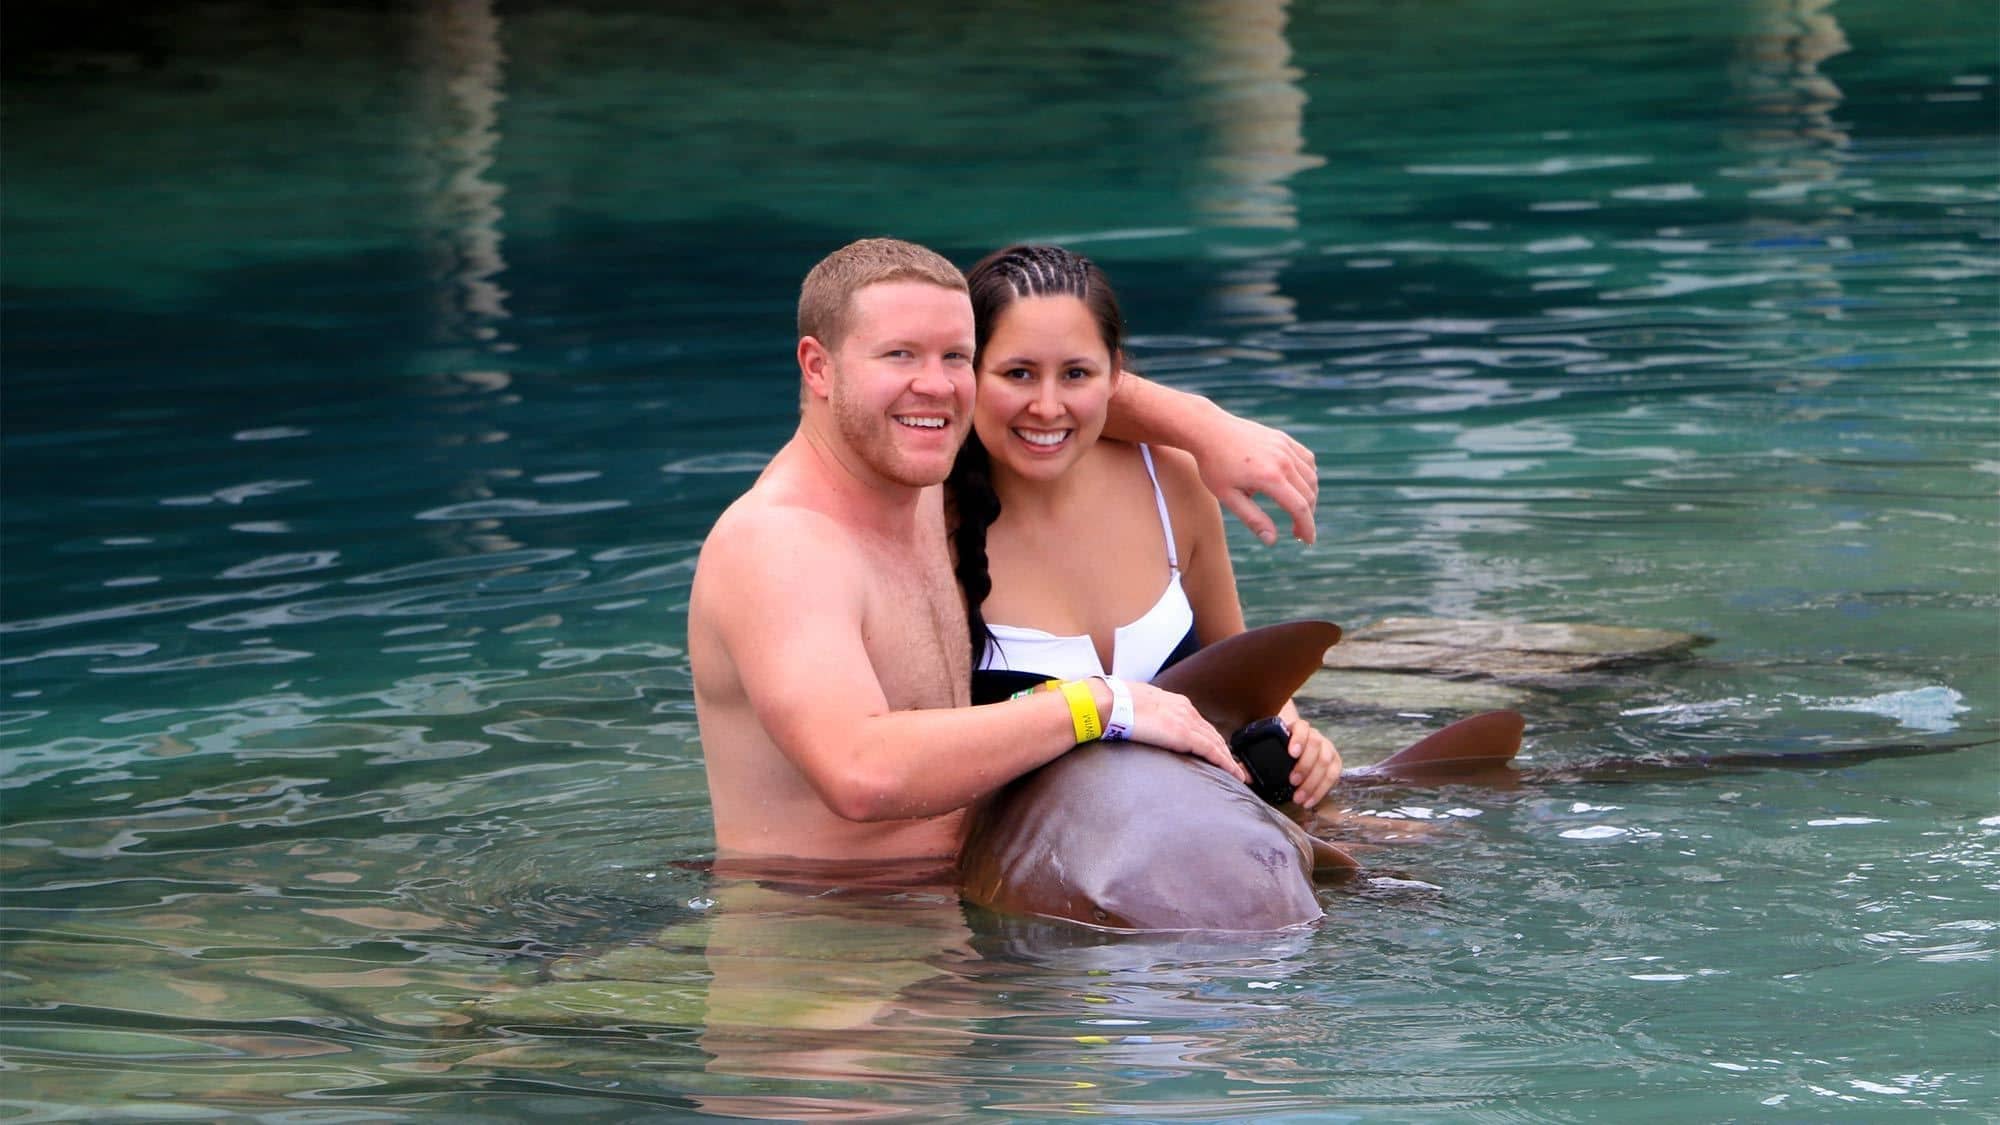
point(1249, 676)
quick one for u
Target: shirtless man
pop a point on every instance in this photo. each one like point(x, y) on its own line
point(826, 632)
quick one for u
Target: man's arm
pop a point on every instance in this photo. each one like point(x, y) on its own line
point(1238, 458)
point(793, 627)
point(1210, 581)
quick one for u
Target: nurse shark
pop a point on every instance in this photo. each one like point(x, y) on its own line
point(1130, 837)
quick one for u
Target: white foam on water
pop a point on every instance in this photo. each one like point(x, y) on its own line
point(1391, 883)
point(1930, 709)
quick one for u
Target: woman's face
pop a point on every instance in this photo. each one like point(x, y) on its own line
point(1045, 383)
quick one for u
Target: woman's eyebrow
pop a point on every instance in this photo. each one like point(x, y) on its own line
point(1030, 361)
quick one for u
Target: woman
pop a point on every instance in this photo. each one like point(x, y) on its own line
point(1081, 555)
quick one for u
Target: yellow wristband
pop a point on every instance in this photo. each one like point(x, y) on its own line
point(1083, 710)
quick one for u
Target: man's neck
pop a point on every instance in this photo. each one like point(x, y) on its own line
point(846, 488)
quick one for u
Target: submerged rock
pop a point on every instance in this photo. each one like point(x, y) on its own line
point(1334, 691)
point(1501, 650)
point(1383, 675)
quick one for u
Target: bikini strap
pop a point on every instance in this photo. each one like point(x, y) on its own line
point(1160, 498)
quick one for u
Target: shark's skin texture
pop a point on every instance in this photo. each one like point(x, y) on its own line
point(1132, 837)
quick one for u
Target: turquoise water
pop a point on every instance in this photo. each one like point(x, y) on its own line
point(371, 379)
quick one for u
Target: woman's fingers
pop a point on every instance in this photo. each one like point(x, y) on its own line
point(1317, 767)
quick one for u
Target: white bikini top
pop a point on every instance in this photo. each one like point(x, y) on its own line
point(1138, 649)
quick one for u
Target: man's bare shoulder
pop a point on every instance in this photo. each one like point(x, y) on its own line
point(770, 574)
point(768, 533)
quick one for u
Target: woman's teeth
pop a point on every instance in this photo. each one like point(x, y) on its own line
point(1042, 437)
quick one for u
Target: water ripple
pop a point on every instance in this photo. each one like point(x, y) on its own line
point(423, 827)
point(504, 509)
point(1550, 166)
point(435, 568)
point(236, 494)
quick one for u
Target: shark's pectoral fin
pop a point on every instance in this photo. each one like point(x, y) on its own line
point(1331, 861)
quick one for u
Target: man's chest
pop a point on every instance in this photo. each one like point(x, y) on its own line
point(915, 631)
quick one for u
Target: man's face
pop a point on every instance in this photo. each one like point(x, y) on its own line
point(902, 380)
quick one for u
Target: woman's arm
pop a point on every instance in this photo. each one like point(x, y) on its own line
point(1238, 459)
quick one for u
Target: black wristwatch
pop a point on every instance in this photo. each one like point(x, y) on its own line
point(1264, 749)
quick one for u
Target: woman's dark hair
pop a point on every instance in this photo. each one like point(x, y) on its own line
point(1000, 279)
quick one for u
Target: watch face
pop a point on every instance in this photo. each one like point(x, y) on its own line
point(1262, 748)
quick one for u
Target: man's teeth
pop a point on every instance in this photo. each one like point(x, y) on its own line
point(1043, 437)
point(923, 423)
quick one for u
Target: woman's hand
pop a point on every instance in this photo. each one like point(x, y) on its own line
point(1315, 760)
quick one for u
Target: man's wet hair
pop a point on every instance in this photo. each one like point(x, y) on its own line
point(826, 296)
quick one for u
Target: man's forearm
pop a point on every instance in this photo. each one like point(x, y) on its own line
point(890, 766)
point(1238, 459)
point(1145, 411)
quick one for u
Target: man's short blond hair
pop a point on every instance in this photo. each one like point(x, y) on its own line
point(829, 289)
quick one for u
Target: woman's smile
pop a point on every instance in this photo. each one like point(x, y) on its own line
point(1048, 440)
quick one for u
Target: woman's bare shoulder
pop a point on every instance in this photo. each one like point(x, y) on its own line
point(1180, 478)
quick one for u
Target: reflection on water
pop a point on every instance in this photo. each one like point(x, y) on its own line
point(879, 1000)
point(1788, 99)
point(1255, 114)
point(459, 51)
point(349, 760)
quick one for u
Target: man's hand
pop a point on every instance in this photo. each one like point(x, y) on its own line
point(1316, 762)
point(1170, 722)
point(1240, 459)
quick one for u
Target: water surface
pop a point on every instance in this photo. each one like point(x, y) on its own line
point(371, 379)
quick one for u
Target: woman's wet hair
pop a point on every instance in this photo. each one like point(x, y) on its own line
point(1000, 279)
point(1006, 276)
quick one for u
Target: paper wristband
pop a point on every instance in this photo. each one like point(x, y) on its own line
point(1082, 710)
point(1118, 727)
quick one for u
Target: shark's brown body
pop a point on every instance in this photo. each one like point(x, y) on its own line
point(1131, 837)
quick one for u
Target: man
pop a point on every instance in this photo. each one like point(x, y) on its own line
point(826, 632)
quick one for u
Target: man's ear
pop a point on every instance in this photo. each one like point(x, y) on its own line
point(816, 367)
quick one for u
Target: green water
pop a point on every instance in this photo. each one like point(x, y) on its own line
point(370, 379)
